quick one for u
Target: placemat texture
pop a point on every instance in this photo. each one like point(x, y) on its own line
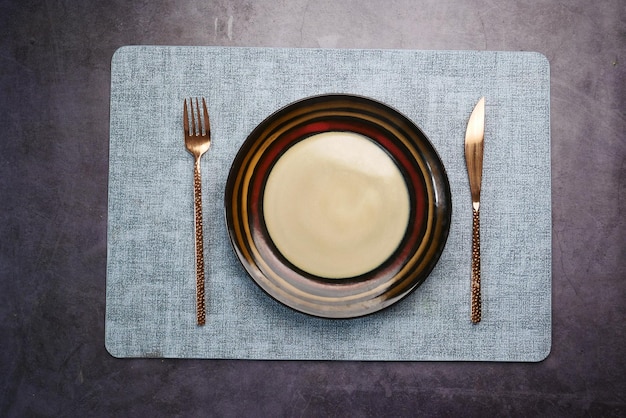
point(150, 298)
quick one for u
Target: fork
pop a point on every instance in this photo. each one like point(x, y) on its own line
point(197, 141)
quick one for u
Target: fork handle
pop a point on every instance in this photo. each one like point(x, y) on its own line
point(197, 199)
point(476, 300)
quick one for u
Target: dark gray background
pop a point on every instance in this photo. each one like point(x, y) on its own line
point(54, 95)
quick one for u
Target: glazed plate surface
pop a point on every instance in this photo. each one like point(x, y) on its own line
point(338, 206)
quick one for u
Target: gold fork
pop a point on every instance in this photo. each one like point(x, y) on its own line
point(197, 141)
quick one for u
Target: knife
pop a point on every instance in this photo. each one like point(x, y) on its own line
point(474, 139)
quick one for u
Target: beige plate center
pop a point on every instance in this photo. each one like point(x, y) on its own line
point(336, 205)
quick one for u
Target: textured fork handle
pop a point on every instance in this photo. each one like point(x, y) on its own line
point(476, 302)
point(197, 198)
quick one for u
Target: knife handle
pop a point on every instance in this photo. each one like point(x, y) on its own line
point(476, 302)
point(197, 198)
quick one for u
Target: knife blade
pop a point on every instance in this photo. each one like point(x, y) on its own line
point(474, 144)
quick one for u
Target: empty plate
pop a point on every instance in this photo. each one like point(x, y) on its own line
point(338, 206)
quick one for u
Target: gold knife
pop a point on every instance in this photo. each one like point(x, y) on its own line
point(474, 140)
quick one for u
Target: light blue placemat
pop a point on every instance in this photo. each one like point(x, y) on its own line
point(150, 308)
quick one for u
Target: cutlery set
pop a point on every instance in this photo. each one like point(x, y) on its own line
point(197, 132)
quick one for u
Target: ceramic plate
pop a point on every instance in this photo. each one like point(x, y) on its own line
point(338, 206)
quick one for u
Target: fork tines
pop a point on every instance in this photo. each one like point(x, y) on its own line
point(200, 125)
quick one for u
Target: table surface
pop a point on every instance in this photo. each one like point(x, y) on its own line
point(54, 92)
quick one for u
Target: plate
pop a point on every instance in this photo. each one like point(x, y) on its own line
point(338, 206)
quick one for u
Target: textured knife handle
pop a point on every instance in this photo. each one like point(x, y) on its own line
point(476, 302)
point(197, 198)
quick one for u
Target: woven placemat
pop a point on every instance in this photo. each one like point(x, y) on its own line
point(150, 308)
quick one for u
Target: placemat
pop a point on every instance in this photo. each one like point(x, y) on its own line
point(150, 289)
